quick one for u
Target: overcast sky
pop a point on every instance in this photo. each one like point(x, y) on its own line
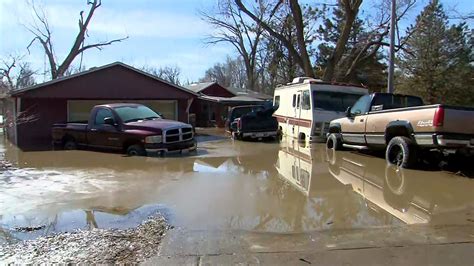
point(161, 32)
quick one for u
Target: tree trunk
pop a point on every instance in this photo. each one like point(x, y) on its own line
point(287, 43)
point(351, 10)
point(298, 19)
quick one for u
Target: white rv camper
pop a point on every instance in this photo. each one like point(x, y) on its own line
point(306, 106)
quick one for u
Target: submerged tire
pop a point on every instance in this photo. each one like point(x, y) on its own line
point(136, 150)
point(334, 141)
point(70, 144)
point(402, 152)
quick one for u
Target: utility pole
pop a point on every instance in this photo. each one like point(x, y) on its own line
point(391, 60)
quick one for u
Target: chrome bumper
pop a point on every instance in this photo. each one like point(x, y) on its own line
point(445, 141)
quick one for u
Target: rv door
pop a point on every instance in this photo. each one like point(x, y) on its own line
point(297, 116)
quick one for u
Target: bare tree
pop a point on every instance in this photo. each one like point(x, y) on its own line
point(171, 74)
point(15, 73)
point(299, 53)
point(42, 33)
point(367, 46)
point(230, 74)
point(244, 35)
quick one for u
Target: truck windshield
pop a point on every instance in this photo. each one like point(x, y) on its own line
point(135, 113)
point(334, 101)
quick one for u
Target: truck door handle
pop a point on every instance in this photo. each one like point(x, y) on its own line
point(362, 120)
point(93, 129)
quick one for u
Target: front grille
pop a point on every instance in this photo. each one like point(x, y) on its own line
point(173, 132)
point(178, 134)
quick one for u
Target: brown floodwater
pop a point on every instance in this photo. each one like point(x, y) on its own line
point(264, 187)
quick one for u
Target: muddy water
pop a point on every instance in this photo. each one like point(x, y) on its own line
point(266, 187)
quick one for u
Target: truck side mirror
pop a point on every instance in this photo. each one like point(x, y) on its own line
point(109, 121)
point(348, 112)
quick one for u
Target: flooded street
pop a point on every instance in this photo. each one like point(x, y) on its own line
point(259, 187)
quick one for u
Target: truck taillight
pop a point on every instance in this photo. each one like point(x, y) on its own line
point(238, 123)
point(438, 117)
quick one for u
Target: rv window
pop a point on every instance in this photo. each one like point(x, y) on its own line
point(298, 102)
point(305, 101)
point(294, 100)
point(333, 101)
point(276, 102)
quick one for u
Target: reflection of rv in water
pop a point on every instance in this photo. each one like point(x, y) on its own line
point(303, 167)
point(306, 106)
point(412, 196)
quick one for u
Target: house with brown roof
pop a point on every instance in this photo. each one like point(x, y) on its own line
point(211, 106)
point(31, 112)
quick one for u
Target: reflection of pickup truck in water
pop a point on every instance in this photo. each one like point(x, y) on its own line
point(254, 122)
point(404, 127)
point(131, 128)
point(412, 196)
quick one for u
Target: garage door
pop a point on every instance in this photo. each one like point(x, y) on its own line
point(79, 110)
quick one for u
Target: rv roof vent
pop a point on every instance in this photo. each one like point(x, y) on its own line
point(299, 79)
point(305, 80)
point(312, 81)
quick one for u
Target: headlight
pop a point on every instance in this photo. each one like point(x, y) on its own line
point(154, 139)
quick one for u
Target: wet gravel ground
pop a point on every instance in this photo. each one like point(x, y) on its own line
point(90, 246)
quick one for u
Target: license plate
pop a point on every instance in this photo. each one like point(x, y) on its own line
point(259, 135)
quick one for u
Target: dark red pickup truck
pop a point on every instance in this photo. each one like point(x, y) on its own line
point(131, 128)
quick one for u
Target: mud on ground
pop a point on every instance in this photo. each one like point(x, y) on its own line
point(91, 246)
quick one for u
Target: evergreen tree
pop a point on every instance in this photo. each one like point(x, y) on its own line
point(370, 71)
point(436, 63)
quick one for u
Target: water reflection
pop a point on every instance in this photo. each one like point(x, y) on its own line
point(21, 227)
point(412, 196)
point(268, 187)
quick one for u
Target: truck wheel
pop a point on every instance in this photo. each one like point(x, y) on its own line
point(401, 152)
point(136, 150)
point(334, 141)
point(70, 144)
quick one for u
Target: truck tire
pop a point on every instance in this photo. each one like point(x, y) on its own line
point(136, 150)
point(334, 141)
point(401, 152)
point(70, 144)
